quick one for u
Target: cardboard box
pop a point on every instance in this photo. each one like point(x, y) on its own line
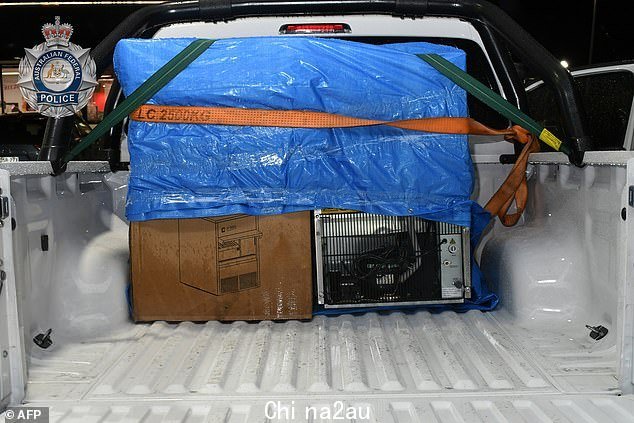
point(234, 267)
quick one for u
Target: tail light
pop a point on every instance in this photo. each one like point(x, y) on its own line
point(319, 28)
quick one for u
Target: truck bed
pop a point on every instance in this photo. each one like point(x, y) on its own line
point(405, 367)
point(529, 360)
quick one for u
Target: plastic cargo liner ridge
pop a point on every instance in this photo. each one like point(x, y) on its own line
point(336, 85)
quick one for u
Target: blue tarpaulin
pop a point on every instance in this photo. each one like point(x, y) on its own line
point(193, 170)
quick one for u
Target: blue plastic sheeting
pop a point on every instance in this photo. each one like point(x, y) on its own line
point(186, 171)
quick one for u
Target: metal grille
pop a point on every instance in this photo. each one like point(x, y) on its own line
point(369, 258)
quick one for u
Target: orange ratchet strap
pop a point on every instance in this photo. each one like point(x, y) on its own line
point(302, 119)
point(514, 187)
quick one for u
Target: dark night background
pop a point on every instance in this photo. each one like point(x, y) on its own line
point(563, 26)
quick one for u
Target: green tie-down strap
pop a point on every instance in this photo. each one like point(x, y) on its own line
point(172, 68)
point(141, 95)
point(495, 101)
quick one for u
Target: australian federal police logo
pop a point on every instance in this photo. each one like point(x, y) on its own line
point(57, 77)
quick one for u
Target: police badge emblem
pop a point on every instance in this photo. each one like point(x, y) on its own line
point(57, 77)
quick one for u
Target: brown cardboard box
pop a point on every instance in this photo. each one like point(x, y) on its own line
point(234, 267)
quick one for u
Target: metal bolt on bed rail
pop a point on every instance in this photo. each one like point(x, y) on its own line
point(597, 332)
point(43, 340)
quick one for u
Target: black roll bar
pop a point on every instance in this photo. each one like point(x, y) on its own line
point(521, 43)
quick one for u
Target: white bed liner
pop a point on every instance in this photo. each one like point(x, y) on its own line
point(383, 409)
point(530, 360)
point(424, 367)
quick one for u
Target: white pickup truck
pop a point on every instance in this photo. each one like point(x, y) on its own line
point(558, 348)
